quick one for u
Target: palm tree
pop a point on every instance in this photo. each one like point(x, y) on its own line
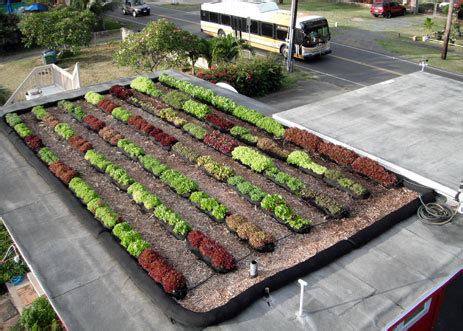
point(226, 49)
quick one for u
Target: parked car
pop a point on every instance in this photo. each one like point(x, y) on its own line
point(135, 8)
point(387, 9)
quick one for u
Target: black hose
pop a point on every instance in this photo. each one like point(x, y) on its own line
point(435, 213)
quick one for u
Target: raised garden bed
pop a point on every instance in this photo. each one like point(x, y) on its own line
point(191, 180)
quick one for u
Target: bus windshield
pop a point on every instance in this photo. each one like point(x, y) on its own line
point(315, 32)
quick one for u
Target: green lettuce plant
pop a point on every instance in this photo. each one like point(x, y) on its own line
point(185, 152)
point(153, 165)
point(175, 221)
point(121, 114)
point(175, 99)
point(97, 160)
point(196, 109)
point(13, 119)
point(136, 247)
point(64, 130)
point(179, 182)
point(197, 131)
point(119, 174)
point(271, 126)
point(243, 134)
point(252, 158)
point(130, 148)
point(39, 112)
point(93, 97)
point(107, 216)
point(47, 155)
point(216, 169)
point(145, 85)
point(22, 130)
point(171, 116)
point(83, 190)
point(209, 204)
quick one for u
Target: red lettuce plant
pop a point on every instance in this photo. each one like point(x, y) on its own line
point(221, 259)
point(140, 124)
point(34, 142)
point(303, 139)
point(62, 171)
point(220, 142)
point(374, 170)
point(80, 143)
point(220, 122)
point(107, 105)
point(173, 281)
point(163, 138)
point(51, 121)
point(147, 257)
point(110, 135)
point(94, 122)
point(120, 92)
point(158, 269)
point(195, 238)
point(337, 153)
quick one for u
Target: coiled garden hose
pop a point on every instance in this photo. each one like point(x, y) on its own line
point(435, 213)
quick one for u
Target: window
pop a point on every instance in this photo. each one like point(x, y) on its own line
point(226, 20)
point(282, 33)
point(254, 27)
point(267, 30)
point(244, 26)
point(204, 16)
point(214, 17)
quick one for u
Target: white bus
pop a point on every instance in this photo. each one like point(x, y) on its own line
point(265, 26)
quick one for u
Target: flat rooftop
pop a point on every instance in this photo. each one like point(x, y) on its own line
point(363, 290)
point(411, 124)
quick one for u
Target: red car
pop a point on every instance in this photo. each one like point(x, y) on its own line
point(387, 9)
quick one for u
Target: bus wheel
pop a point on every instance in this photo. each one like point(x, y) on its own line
point(221, 33)
point(284, 51)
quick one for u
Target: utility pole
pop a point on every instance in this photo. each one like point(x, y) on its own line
point(292, 27)
point(448, 28)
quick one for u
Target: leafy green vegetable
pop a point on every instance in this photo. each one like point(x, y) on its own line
point(175, 221)
point(64, 130)
point(137, 247)
point(13, 119)
point(216, 169)
point(196, 109)
point(179, 182)
point(175, 99)
point(271, 126)
point(121, 114)
point(119, 174)
point(93, 97)
point(211, 205)
point(47, 155)
point(171, 116)
point(130, 148)
point(97, 160)
point(185, 152)
point(153, 165)
point(197, 131)
point(39, 112)
point(252, 158)
point(82, 190)
point(145, 85)
point(107, 216)
point(22, 130)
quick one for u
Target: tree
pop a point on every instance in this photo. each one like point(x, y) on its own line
point(10, 37)
point(159, 45)
point(60, 29)
point(227, 49)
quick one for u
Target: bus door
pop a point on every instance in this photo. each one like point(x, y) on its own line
point(236, 26)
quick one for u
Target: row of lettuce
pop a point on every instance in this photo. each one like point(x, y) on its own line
point(228, 137)
point(227, 145)
point(221, 172)
point(159, 269)
point(301, 138)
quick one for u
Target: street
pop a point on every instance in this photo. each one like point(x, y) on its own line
point(348, 67)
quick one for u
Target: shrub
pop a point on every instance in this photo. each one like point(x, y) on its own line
point(62, 171)
point(119, 175)
point(136, 247)
point(195, 130)
point(268, 145)
point(153, 165)
point(374, 170)
point(243, 134)
point(180, 183)
point(93, 97)
point(39, 112)
point(33, 142)
point(39, 315)
point(175, 99)
point(47, 155)
point(210, 205)
point(94, 123)
point(130, 148)
point(107, 216)
point(13, 119)
point(120, 92)
point(252, 158)
point(217, 170)
point(110, 135)
point(337, 153)
point(196, 109)
point(22, 130)
point(220, 142)
point(82, 190)
point(171, 116)
point(175, 221)
point(145, 85)
point(121, 114)
point(185, 152)
point(64, 130)
point(303, 139)
point(80, 143)
point(271, 126)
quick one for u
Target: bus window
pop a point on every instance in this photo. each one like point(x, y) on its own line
point(254, 27)
point(244, 25)
point(204, 16)
point(226, 20)
point(214, 17)
point(266, 30)
point(281, 33)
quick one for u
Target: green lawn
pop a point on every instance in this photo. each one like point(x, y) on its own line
point(96, 66)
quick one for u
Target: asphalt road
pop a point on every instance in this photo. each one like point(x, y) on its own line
point(347, 67)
